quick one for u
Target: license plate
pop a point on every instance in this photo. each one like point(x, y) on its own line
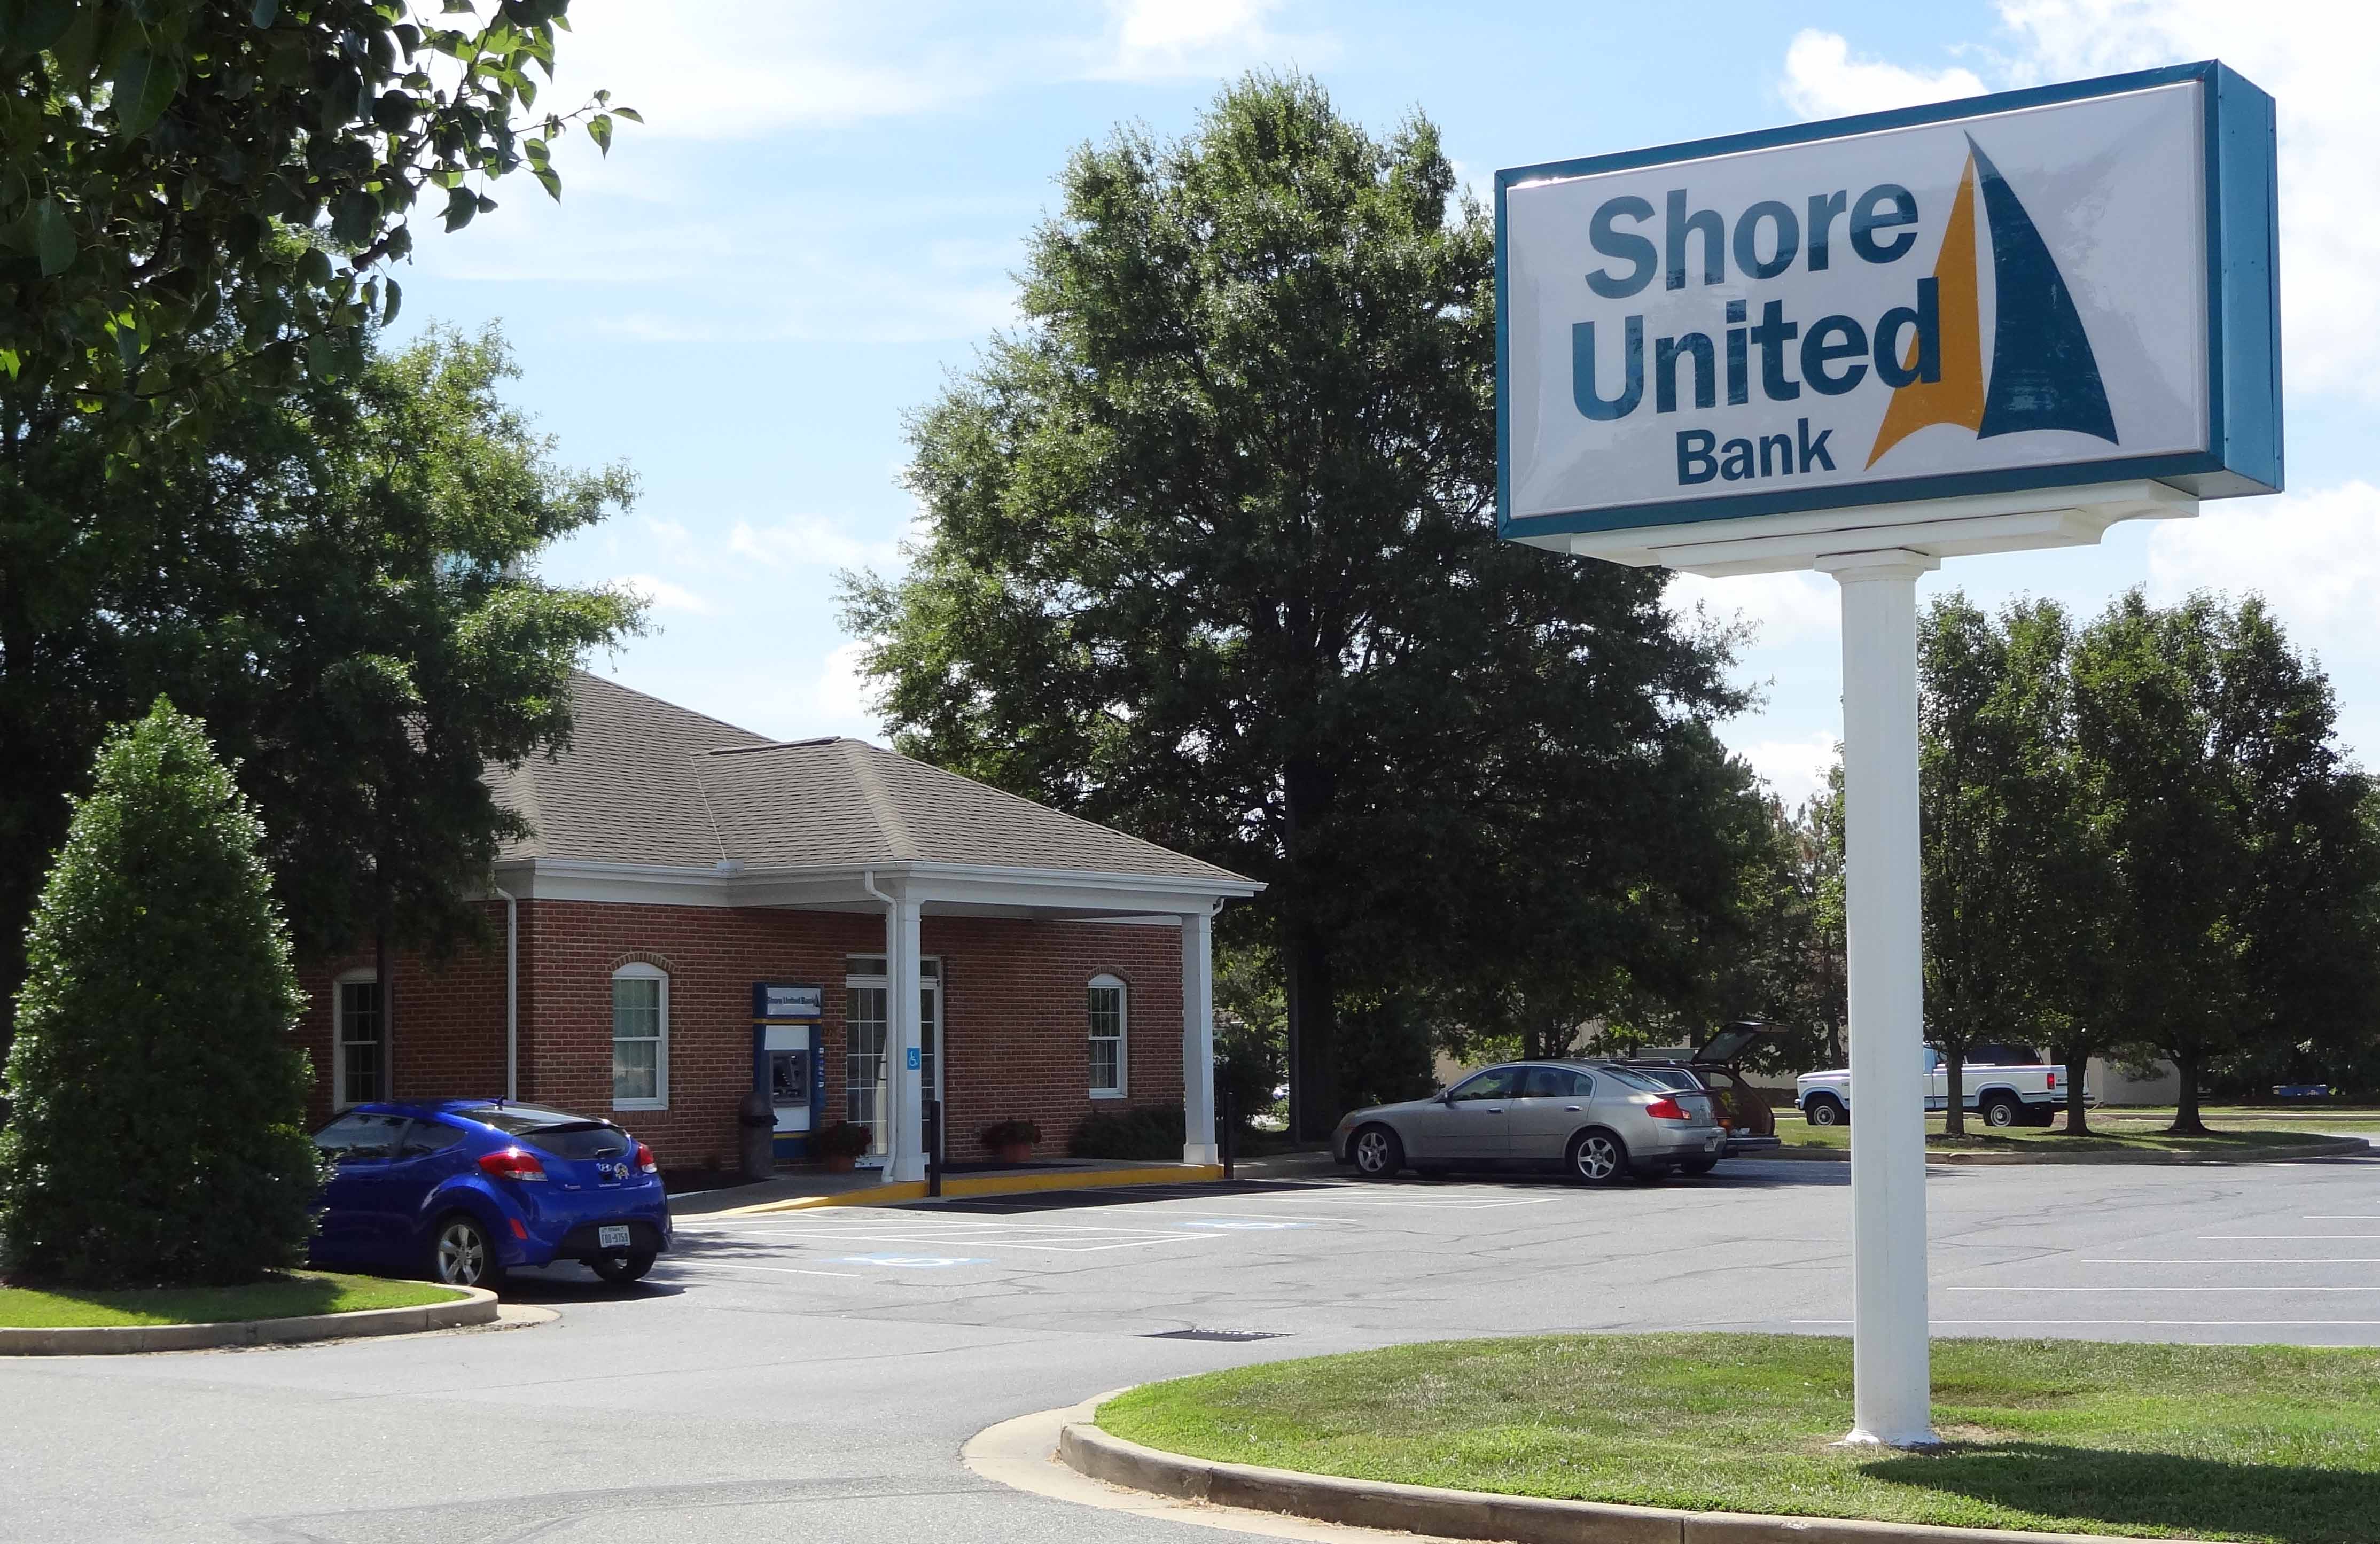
point(611, 1237)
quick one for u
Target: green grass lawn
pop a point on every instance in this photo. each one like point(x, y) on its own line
point(2108, 1133)
point(281, 1296)
point(2237, 1442)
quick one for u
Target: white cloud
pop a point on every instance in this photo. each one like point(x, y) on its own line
point(1823, 80)
point(1795, 768)
point(2313, 55)
point(661, 595)
point(840, 696)
point(803, 541)
point(1785, 608)
point(1155, 39)
point(2315, 557)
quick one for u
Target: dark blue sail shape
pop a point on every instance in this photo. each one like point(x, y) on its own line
point(2044, 374)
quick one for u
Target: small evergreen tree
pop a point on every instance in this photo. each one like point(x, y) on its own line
point(158, 1107)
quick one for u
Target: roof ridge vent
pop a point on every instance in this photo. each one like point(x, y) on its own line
point(773, 745)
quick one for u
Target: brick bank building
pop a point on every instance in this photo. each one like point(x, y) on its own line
point(701, 908)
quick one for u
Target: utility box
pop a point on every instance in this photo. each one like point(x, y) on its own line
point(789, 1061)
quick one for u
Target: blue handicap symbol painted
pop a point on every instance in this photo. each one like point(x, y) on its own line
point(908, 1262)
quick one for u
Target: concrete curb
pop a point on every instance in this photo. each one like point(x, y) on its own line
point(478, 1306)
point(963, 1186)
point(1479, 1514)
point(2336, 1147)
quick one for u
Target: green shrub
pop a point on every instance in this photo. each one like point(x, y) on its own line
point(157, 1135)
point(1153, 1132)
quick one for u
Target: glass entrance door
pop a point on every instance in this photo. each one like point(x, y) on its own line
point(863, 1093)
point(866, 1061)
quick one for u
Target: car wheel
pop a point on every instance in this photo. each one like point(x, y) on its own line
point(620, 1270)
point(2002, 1111)
point(1698, 1165)
point(1376, 1152)
point(461, 1253)
point(1827, 1111)
point(1597, 1158)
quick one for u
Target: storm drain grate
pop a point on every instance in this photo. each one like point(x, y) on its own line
point(1215, 1335)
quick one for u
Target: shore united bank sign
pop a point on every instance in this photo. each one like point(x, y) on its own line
point(2067, 286)
point(1864, 346)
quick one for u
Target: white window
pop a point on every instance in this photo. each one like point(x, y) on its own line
point(358, 1046)
point(639, 1037)
point(1108, 1014)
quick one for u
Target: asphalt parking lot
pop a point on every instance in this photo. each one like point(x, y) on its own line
point(2282, 1252)
point(814, 1374)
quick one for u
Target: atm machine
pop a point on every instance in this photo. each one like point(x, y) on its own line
point(789, 1060)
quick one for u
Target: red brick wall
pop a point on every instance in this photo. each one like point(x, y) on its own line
point(1013, 1035)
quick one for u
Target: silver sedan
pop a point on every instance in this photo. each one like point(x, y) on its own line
point(1594, 1121)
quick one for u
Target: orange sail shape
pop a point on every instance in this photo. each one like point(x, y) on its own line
point(1958, 396)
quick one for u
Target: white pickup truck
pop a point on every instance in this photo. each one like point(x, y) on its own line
point(2005, 1084)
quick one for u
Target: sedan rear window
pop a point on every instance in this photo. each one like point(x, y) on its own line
point(563, 1134)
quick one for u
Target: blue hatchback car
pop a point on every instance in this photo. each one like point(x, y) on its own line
point(461, 1189)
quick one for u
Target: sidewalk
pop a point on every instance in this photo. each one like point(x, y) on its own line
point(800, 1189)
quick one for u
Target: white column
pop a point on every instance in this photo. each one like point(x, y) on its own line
point(1890, 1375)
point(903, 954)
point(1198, 1038)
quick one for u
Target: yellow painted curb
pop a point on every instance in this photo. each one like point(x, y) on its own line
point(992, 1185)
point(1097, 1179)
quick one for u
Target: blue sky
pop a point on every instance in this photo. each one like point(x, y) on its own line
point(820, 220)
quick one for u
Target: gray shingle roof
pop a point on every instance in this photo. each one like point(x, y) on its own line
point(647, 781)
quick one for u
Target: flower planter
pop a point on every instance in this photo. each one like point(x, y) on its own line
point(841, 1163)
point(1014, 1152)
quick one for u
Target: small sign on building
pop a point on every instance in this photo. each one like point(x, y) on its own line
point(784, 1000)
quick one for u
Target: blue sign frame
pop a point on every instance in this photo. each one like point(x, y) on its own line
point(2243, 323)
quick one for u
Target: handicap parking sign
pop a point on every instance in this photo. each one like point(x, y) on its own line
point(912, 1058)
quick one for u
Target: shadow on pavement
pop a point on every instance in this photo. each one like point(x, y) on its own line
point(2197, 1496)
point(572, 1283)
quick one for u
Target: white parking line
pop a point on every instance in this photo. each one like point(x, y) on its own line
point(773, 1270)
point(2273, 1289)
point(976, 1241)
point(2352, 1260)
point(1447, 1203)
point(2340, 1216)
point(2301, 1237)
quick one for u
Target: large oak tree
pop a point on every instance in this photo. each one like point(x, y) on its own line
point(1211, 555)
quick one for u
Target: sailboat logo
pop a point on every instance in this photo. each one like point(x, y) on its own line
point(2043, 372)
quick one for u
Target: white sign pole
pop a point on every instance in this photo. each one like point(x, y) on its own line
point(1889, 1360)
point(1866, 346)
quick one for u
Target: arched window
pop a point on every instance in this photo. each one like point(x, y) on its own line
point(358, 1047)
point(1109, 1024)
point(639, 1037)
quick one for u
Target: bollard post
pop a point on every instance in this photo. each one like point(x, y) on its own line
point(933, 1134)
point(1229, 1134)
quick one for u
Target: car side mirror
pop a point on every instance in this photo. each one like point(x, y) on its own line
point(1445, 1096)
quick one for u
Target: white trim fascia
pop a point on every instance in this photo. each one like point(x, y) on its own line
point(1039, 892)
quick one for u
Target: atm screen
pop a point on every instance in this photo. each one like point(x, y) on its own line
point(789, 1076)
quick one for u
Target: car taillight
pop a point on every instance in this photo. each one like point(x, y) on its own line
point(2053, 1080)
point(645, 1165)
point(1665, 1109)
point(513, 1163)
